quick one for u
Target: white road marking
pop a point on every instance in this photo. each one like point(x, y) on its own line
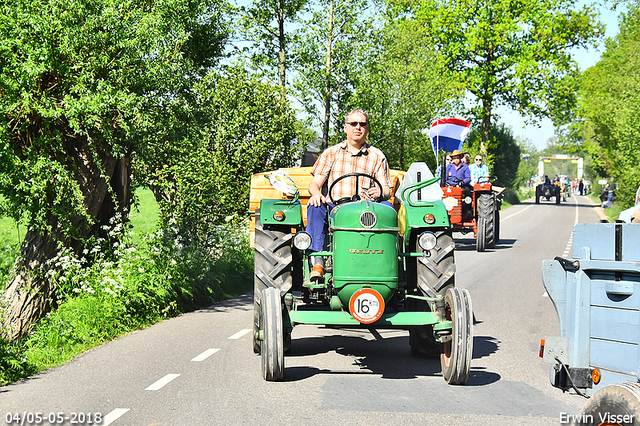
point(160, 383)
point(206, 354)
point(517, 213)
point(113, 416)
point(545, 294)
point(240, 333)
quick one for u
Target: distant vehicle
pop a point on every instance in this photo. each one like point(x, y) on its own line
point(547, 192)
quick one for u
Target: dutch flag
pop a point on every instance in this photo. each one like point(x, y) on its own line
point(448, 134)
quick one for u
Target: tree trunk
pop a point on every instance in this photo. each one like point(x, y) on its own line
point(327, 88)
point(282, 48)
point(486, 124)
point(30, 295)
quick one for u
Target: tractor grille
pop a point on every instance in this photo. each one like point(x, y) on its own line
point(368, 219)
point(456, 213)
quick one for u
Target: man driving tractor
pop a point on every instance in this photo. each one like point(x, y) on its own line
point(353, 155)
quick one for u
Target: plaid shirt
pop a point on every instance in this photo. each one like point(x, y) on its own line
point(336, 161)
point(478, 172)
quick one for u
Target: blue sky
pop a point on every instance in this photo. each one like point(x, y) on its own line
point(585, 58)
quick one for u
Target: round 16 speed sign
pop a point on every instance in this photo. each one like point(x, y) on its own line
point(366, 305)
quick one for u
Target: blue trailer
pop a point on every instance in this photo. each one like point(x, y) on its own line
point(596, 295)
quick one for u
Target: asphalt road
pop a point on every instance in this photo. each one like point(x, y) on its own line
point(199, 369)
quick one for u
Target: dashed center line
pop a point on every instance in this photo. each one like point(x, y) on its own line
point(160, 383)
point(240, 333)
point(113, 416)
point(206, 354)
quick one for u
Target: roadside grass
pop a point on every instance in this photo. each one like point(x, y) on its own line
point(154, 274)
point(516, 196)
point(144, 214)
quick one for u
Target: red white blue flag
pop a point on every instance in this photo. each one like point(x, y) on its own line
point(448, 134)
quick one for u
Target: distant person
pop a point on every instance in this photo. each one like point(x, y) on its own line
point(466, 159)
point(478, 170)
point(581, 187)
point(604, 194)
point(547, 181)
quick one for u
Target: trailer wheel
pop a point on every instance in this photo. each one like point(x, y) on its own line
point(272, 266)
point(456, 357)
point(435, 272)
point(612, 403)
point(486, 209)
point(272, 344)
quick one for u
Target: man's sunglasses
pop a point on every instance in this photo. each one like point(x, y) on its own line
point(355, 123)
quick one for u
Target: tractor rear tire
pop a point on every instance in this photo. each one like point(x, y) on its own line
point(272, 266)
point(456, 357)
point(435, 275)
point(613, 403)
point(272, 344)
point(436, 269)
point(486, 209)
point(537, 195)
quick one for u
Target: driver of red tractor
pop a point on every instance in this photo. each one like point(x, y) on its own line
point(458, 172)
point(351, 156)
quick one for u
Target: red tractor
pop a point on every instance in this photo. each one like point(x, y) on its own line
point(477, 212)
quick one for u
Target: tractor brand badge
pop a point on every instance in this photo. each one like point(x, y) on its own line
point(450, 203)
point(359, 251)
point(366, 305)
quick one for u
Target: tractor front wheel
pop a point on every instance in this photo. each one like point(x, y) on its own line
point(272, 343)
point(456, 357)
point(273, 261)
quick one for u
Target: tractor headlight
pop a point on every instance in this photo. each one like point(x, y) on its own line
point(467, 199)
point(429, 219)
point(427, 240)
point(302, 240)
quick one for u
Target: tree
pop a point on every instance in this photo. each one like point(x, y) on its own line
point(329, 43)
point(81, 83)
point(503, 153)
point(405, 87)
point(241, 129)
point(264, 23)
point(515, 54)
point(609, 105)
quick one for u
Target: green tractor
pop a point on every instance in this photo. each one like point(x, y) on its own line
point(385, 267)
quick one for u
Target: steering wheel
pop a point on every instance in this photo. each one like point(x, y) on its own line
point(456, 181)
point(356, 196)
